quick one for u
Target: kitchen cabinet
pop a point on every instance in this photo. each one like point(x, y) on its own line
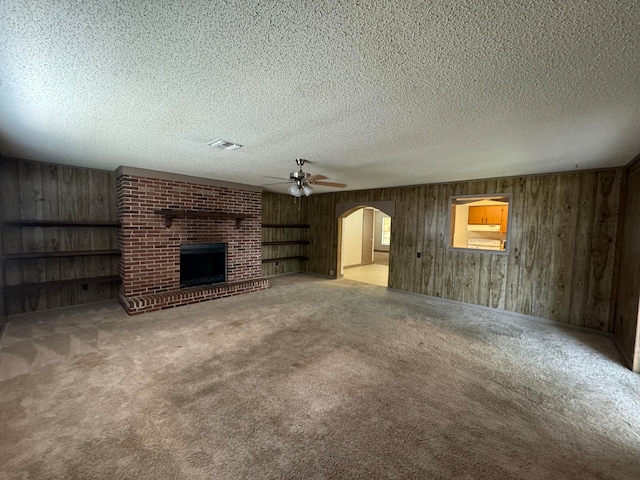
point(493, 215)
point(504, 212)
point(485, 215)
point(476, 215)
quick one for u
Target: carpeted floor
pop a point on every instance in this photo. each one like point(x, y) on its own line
point(312, 378)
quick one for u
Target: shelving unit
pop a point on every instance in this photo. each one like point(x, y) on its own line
point(57, 283)
point(55, 223)
point(280, 259)
point(298, 241)
point(9, 258)
point(169, 215)
point(71, 253)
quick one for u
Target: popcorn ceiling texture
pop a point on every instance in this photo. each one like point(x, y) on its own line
point(374, 93)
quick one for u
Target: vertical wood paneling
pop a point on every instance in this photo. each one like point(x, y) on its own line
point(282, 209)
point(581, 267)
point(420, 226)
point(404, 238)
point(32, 238)
point(559, 223)
point(465, 266)
point(441, 287)
point(430, 215)
point(567, 200)
point(536, 252)
point(9, 204)
point(515, 262)
point(627, 314)
point(499, 263)
point(602, 247)
point(39, 191)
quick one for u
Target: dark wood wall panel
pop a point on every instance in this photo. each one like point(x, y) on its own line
point(282, 209)
point(40, 191)
point(627, 315)
point(563, 236)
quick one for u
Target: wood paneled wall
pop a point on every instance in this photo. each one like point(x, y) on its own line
point(40, 191)
point(282, 209)
point(563, 238)
point(625, 324)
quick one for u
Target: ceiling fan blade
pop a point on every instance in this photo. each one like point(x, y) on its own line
point(330, 184)
point(313, 178)
point(277, 178)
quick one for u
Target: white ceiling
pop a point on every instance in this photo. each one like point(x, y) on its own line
point(373, 93)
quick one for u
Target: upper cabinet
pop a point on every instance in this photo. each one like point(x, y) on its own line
point(476, 215)
point(486, 215)
point(504, 216)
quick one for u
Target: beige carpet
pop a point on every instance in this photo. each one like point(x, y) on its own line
point(312, 379)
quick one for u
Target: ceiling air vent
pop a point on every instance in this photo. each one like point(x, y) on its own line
point(224, 144)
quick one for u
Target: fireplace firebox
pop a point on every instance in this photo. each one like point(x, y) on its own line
point(203, 264)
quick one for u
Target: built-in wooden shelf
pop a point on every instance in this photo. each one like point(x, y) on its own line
point(285, 242)
point(70, 253)
point(56, 283)
point(281, 259)
point(169, 215)
point(288, 242)
point(285, 225)
point(57, 223)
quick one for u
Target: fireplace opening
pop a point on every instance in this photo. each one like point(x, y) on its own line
point(203, 264)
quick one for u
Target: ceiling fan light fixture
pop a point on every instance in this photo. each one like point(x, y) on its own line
point(307, 190)
point(295, 190)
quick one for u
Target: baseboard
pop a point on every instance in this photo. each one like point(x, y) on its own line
point(520, 316)
point(628, 362)
point(18, 316)
point(281, 274)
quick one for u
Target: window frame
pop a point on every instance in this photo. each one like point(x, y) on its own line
point(382, 235)
point(450, 231)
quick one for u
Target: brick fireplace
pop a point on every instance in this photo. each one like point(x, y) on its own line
point(150, 242)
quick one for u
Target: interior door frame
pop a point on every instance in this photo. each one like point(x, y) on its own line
point(345, 209)
point(368, 226)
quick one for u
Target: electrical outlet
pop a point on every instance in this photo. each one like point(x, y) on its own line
point(330, 272)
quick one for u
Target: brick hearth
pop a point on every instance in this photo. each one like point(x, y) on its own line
point(150, 251)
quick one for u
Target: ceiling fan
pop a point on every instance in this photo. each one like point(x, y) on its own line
point(302, 181)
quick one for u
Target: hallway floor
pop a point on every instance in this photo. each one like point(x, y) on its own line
point(376, 273)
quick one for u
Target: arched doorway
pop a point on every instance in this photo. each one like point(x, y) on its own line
point(364, 241)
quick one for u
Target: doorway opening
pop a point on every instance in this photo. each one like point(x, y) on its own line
point(364, 243)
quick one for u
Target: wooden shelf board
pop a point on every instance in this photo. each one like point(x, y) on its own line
point(170, 214)
point(288, 242)
point(281, 259)
point(56, 223)
point(55, 283)
point(71, 253)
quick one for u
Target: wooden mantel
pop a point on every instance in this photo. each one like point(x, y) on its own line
point(171, 214)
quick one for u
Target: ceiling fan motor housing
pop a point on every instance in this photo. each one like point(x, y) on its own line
point(299, 175)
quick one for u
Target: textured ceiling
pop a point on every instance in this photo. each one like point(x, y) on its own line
point(373, 93)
